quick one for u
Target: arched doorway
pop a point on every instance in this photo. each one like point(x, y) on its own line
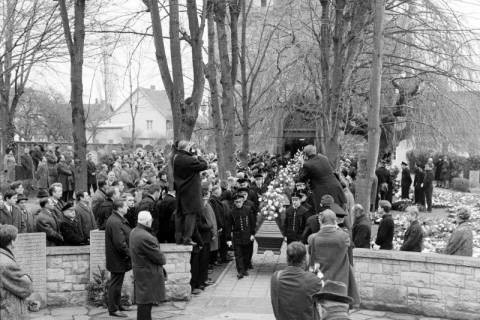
point(298, 131)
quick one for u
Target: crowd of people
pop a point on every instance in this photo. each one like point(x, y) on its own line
point(146, 198)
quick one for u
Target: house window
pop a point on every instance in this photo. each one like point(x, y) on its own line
point(149, 124)
point(169, 125)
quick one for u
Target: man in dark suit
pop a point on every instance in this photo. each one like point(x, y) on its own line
point(361, 231)
point(84, 214)
point(91, 174)
point(319, 172)
point(386, 228)
point(105, 209)
point(56, 193)
point(117, 233)
point(9, 212)
point(406, 181)
point(295, 220)
point(292, 288)
point(147, 263)
point(70, 228)
point(163, 225)
point(187, 166)
point(28, 168)
point(149, 201)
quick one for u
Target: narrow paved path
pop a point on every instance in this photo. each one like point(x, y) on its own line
point(229, 299)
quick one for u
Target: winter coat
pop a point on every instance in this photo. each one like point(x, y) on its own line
point(329, 247)
point(461, 241)
point(91, 172)
point(27, 221)
point(322, 180)
point(9, 166)
point(13, 217)
point(147, 263)
point(47, 222)
point(16, 287)
point(413, 239)
point(361, 232)
point(64, 173)
point(103, 212)
point(187, 182)
point(97, 199)
point(72, 232)
point(26, 162)
point(385, 233)
point(52, 167)
point(86, 219)
point(163, 225)
point(406, 182)
point(210, 217)
point(42, 176)
point(117, 233)
point(312, 226)
point(295, 221)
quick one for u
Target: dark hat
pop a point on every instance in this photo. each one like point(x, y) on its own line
point(242, 180)
point(258, 175)
point(404, 163)
point(42, 193)
point(242, 190)
point(333, 291)
point(297, 195)
point(21, 197)
point(237, 196)
point(67, 206)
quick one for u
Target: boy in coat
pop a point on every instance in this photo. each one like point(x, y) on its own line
point(295, 220)
point(147, 263)
point(242, 230)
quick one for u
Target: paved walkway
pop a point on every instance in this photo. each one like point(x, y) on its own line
point(229, 299)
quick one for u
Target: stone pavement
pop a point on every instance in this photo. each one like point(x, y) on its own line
point(229, 299)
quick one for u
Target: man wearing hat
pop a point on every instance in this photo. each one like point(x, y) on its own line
point(295, 220)
point(318, 170)
point(329, 248)
point(70, 227)
point(28, 223)
point(253, 213)
point(47, 222)
point(384, 181)
point(406, 181)
point(461, 240)
point(241, 229)
point(334, 301)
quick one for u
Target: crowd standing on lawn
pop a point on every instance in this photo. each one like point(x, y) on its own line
point(178, 197)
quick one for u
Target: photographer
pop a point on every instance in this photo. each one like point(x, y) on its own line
point(187, 165)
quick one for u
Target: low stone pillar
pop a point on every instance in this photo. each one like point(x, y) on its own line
point(474, 179)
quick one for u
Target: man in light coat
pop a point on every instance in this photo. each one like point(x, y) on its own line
point(147, 263)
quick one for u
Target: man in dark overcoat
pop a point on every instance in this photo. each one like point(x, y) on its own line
point(163, 225)
point(295, 220)
point(149, 201)
point(362, 228)
point(319, 172)
point(329, 249)
point(84, 213)
point(406, 181)
point(117, 233)
point(91, 174)
point(147, 263)
point(187, 183)
point(413, 238)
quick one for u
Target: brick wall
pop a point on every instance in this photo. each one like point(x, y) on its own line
point(60, 274)
point(430, 284)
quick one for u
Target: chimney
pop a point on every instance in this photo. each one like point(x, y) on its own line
point(152, 87)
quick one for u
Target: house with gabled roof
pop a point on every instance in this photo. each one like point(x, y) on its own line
point(153, 120)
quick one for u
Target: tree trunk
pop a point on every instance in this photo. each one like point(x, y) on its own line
point(227, 86)
point(211, 75)
point(374, 107)
point(244, 84)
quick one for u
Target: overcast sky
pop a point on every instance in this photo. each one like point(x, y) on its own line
point(57, 75)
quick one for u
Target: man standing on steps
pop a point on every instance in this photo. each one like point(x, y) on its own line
point(117, 233)
point(187, 165)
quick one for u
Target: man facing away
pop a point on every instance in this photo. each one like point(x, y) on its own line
point(292, 288)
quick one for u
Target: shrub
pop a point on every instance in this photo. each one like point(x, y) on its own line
point(461, 184)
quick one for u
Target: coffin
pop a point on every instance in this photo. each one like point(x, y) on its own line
point(269, 237)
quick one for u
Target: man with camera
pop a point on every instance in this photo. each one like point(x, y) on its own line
point(187, 165)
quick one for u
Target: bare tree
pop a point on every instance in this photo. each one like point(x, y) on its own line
point(75, 43)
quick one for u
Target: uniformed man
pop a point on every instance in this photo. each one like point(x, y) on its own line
point(244, 192)
point(242, 230)
point(295, 220)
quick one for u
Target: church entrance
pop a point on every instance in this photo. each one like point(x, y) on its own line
point(298, 131)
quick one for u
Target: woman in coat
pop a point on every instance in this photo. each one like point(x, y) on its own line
point(64, 173)
point(461, 240)
point(16, 285)
point(9, 165)
point(147, 263)
point(42, 174)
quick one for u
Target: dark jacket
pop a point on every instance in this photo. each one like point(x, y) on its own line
point(26, 162)
point(406, 182)
point(97, 199)
point(72, 232)
point(461, 241)
point(295, 222)
point(91, 170)
point(385, 232)
point(27, 221)
point(47, 222)
point(147, 204)
point(64, 173)
point(147, 262)
point(42, 176)
point(52, 167)
point(361, 232)
point(86, 219)
point(413, 239)
point(103, 212)
point(291, 294)
point(13, 217)
point(187, 182)
point(117, 233)
point(322, 180)
point(241, 225)
point(163, 225)
point(312, 225)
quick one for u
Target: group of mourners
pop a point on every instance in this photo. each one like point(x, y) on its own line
point(147, 198)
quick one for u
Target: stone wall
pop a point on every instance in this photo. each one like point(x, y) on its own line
point(430, 284)
point(68, 270)
point(61, 274)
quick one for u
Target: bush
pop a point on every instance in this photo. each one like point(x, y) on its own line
point(461, 184)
